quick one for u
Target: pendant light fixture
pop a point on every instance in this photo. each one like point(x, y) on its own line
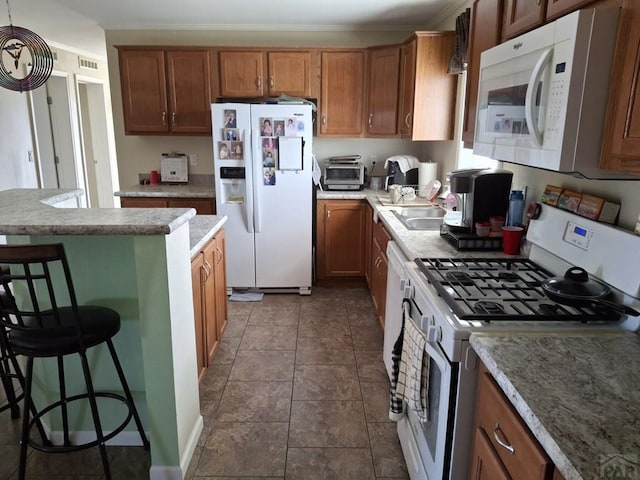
point(26, 60)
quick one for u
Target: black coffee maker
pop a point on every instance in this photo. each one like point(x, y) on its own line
point(481, 193)
point(397, 177)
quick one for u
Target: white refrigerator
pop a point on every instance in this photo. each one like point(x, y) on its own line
point(262, 167)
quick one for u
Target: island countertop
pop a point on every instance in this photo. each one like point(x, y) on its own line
point(172, 191)
point(578, 395)
point(31, 211)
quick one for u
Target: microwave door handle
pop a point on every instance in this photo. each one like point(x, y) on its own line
point(536, 133)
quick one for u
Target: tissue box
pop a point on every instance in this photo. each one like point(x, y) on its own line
point(569, 200)
point(551, 195)
point(590, 206)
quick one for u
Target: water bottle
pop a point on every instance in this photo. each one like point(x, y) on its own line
point(516, 208)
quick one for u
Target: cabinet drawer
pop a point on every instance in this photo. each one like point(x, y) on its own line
point(381, 236)
point(502, 424)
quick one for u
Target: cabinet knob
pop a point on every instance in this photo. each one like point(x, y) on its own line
point(371, 120)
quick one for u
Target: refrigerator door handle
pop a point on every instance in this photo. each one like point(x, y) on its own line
point(250, 199)
point(257, 178)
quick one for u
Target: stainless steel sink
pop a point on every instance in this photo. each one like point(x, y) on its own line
point(420, 218)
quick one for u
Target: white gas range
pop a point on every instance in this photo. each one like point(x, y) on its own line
point(451, 298)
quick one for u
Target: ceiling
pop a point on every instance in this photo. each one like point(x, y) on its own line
point(68, 21)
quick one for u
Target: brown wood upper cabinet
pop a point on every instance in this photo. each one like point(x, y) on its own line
point(621, 136)
point(486, 22)
point(341, 98)
point(165, 90)
point(258, 73)
point(427, 92)
point(523, 15)
point(384, 77)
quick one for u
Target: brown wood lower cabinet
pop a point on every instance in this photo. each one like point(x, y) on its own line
point(203, 206)
point(209, 299)
point(504, 448)
point(340, 241)
point(379, 267)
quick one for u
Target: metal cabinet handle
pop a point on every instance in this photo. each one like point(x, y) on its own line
point(173, 118)
point(324, 119)
point(164, 118)
point(208, 268)
point(538, 2)
point(270, 81)
point(219, 259)
point(259, 82)
point(371, 120)
point(407, 120)
point(328, 214)
point(203, 273)
point(502, 443)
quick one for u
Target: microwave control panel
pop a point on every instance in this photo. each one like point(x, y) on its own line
point(578, 235)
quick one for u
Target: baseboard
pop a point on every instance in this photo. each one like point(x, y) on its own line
point(165, 473)
point(192, 444)
point(123, 439)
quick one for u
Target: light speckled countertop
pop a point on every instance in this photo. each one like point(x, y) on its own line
point(413, 243)
point(579, 395)
point(32, 212)
point(202, 228)
point(160, 190)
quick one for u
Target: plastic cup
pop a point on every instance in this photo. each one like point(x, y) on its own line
point(511, 237)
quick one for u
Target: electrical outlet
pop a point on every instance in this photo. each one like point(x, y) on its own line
point(193, 159)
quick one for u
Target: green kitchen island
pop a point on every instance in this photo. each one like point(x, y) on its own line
point(136, 261)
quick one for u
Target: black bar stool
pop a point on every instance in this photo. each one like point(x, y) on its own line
point(48, 322)
point(9, 369)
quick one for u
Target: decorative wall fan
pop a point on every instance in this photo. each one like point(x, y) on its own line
point(26, 60)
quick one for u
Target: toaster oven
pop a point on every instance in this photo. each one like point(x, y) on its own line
point(344, 176)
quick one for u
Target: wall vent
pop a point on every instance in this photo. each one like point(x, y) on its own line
point(87, 64)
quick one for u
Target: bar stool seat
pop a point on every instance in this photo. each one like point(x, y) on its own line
point(37, 325)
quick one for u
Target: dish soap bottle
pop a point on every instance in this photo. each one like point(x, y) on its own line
point(516, 208)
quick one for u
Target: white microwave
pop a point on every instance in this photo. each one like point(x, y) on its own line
point(542, 96)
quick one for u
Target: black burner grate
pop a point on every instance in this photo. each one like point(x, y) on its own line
point(492, 289)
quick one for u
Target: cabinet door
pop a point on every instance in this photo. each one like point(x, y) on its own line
point(521, 15)
point(486, 21)
point(407, 85)
point(289, 73)
point(621, 136)
point(197, 276)
point(485, 463)
point(209, 292)
point(220, 281)
point(557, 8)
point(341, 232)
point(384, 75)
point(342, 87)
point(379, 280)
point(189, 91)
point(144, 92)
point(143, 202)
point(241, 73)
point(203, 206)
point(368, 240)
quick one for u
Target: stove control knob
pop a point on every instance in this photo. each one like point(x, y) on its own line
point(408, 291)
point(434, 333)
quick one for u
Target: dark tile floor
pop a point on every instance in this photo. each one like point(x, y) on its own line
point(297, 391)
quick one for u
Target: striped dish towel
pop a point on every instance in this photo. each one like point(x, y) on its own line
point(413, 374)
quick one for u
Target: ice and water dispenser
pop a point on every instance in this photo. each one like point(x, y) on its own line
point(233, 184)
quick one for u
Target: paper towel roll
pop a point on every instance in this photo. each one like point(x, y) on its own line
point(427, 172)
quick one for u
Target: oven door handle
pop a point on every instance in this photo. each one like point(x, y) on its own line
point(431, 347)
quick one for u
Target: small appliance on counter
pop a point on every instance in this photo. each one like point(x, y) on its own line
point(402, 170)
point(482, 194)
point(344, 173)
point(174, 168)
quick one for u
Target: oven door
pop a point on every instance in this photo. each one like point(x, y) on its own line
point(425, 445)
